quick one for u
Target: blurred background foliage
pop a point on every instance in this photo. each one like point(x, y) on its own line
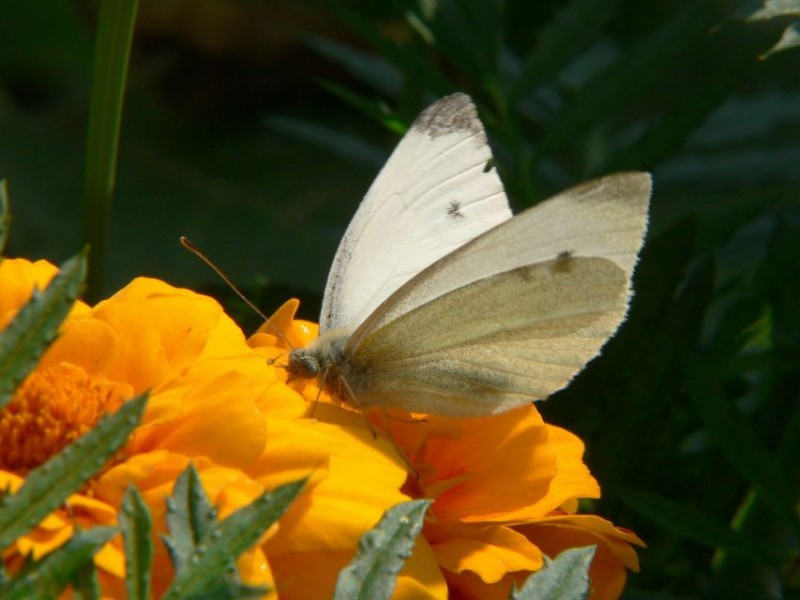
point(255, 126)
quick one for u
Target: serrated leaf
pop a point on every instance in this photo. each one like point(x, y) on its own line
point(5, 215)
point(190, 516)
point(565, 578)
point(225, 540)
point(85, 584)
point(47, 577)
point(47, 486)
point(382, 552)
point(36, 325)
point(134, 524)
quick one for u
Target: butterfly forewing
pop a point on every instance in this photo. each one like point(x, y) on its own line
point(434, 194)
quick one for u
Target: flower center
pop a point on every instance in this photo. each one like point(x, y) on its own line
point(52, 408)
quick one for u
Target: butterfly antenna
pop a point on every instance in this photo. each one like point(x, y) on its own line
point(187, 243)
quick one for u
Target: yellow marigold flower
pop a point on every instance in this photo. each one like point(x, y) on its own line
point(505, 489)
point(213, 401)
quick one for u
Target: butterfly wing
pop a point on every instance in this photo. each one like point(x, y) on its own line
point(511, 316)
point(494, 344)
point(434, 194)
point(604, 218)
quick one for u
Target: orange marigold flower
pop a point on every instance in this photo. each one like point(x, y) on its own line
point(213, 401)
point(505, 489)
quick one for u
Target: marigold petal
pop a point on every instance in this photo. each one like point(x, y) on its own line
point(614, 552)
point(364, 479)
point(571, 481)
point(419, 579)
point(509, 462)
point(84, 341)
point(219, 419)
point(490, 551)
point(18, 278)
point(111, 558)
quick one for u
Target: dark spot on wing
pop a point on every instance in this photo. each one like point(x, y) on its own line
point(563, 261)
point(489, 165)
point(450, 114)
point(454, 210)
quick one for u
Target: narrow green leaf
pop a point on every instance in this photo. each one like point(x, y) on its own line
point(373, 70)
point(769, 9)
point(565, 578)
point(404, 58)
point(47, 486)
point(190, 516)
point(110, 72)
point(54, 571)
point(225, 540)
point(382, 552)
point(85, 584)
point(467, 33)
point(693, 524)
point(134, 524)
point(789, 39)
point(36, 325)
point(573, 28)
point(5, 215)
point(626, 78)
point(340, 143)
point(739, 444)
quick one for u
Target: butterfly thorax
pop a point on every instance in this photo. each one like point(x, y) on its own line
point(320, 357)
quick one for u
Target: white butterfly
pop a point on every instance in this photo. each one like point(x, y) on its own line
point(440, 301)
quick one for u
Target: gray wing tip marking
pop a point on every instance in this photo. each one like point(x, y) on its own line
point(450, 114)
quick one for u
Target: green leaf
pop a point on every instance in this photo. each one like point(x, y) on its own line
point(738, 442)
point(404, 58)
point(134, 524)
point(565, 578)
point(382, 552)
point(85, 584)
point(373, 70)
point(691, 523)
point(626, 78)
point(47, 577)
point(222, 541)
point(36, 325)
point(572, 29)
point(190, 516)
point(47, 486)
point(110, 72)
point(5, 215)
point(789, 39)
point(769, 9)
